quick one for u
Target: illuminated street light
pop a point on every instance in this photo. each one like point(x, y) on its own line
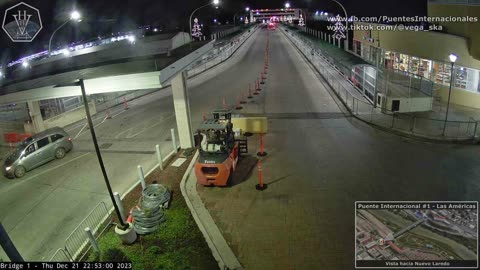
point(287, 5)
point(453, 58)
point(74, 16)
point(155, 30)
point(247, 9)
point(214, 2)
point(25, 64)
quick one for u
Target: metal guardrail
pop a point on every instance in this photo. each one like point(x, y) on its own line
point(76, 244)
point(219, 55)
point(403, 122)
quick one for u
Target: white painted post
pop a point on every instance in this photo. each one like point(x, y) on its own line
point(141, 176)
point(92, 240)
point(159, 156)
point(118, 202)
point(338, 41)
point(329, 39)
point(174, 140)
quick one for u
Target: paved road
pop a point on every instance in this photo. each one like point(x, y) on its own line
point(319, 164)
point(40, 210)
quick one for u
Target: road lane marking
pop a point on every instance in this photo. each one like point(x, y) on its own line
point(154, 125)
point(38, 174)
point(78, 134)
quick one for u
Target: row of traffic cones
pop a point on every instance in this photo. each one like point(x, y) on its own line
point(263, 76)
point(251, 92)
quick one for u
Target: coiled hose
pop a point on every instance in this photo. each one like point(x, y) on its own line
point(149, 215)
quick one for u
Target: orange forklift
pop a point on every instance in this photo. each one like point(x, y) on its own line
point(220, 148)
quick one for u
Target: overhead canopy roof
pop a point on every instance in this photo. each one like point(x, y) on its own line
point(120, 83)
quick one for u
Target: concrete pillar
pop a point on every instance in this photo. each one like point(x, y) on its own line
point(36, 116)
point(181, 102)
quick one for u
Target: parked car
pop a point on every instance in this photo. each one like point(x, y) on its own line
point(37, 150)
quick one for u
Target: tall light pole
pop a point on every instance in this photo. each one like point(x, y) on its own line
point(453, 58)
point(247, 9)
point(346, 20)
point(74, 16)
point(214, 2)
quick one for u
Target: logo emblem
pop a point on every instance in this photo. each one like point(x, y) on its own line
point(22, 22)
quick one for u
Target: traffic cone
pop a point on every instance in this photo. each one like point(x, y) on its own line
point(262, 152)
point(125, 103)
point(249, 91)
point(263, 78)
point(238, 107)
point(242, 100)
point(260, 186)
point(108, 114)
point(258, 85)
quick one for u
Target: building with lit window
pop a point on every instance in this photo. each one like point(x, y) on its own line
point(425, 53)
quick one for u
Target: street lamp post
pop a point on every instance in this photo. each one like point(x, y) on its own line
point(214, 2)
point(453, 58)
point(122, 223)
point(75, 15)
point(247, 9)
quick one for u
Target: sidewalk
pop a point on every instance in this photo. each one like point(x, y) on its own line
point(462, 124)
point(456, 112)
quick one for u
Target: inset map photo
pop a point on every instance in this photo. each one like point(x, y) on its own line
point(416, 234)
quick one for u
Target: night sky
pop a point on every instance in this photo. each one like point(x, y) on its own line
point(105, 16)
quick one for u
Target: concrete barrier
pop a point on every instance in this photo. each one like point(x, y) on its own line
point(69, 117)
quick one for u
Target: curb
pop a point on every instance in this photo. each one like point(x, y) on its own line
point(400, 133)
point(221, 251)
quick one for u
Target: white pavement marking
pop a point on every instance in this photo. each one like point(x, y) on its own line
point(38, 174)
point(86, 124)
point(78, 134)
point(154, 125)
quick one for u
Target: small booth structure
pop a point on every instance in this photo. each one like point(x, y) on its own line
point(393, 91)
